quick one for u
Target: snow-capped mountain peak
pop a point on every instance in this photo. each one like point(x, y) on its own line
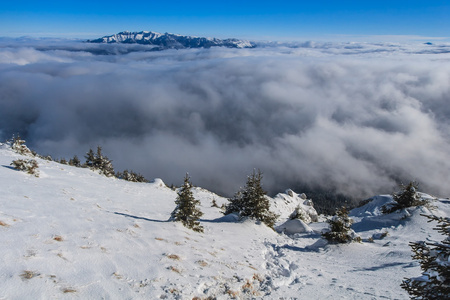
point(166, 40)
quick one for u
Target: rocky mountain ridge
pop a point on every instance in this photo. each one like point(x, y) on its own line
point(162, 41)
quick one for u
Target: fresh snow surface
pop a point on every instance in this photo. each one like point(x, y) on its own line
point(294, 226)
point(74, 234)
point(284, 205)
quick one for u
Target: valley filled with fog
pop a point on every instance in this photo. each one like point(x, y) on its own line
point(356, 118)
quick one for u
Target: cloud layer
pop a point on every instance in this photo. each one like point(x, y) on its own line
point(351, 117)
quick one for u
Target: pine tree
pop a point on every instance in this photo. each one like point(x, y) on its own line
point(340, 228)
point(298, 213)
point(75, 161)
point(186, 210)
point(131, 176)
point(124, 175)
point(99, 162)
point(30, 166)
point(407, 197)
point(19, 146)
point(434, 259)
point(90, 159)
point(140, 177)
point(252, 202)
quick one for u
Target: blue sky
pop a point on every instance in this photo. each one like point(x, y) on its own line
point(260, 19)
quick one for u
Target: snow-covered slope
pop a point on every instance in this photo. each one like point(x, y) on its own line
point(72, 233)
point(171, 41)
point(284, 204)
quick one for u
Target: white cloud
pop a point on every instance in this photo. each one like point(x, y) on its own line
point(349, 116)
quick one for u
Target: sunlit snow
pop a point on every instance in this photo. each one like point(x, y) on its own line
point(72, 233)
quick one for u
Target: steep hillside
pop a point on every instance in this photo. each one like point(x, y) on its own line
point(72, 233)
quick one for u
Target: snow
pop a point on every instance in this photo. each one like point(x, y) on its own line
point(152, 38)
point(72, 233)
point(373, 208)
point(294, 226)
point(284, 204)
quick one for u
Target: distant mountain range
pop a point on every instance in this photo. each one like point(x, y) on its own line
point(163, 41)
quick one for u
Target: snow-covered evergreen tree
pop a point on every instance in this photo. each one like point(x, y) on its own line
point(90, 159)
point(99, 162)
point(131, 176)
point(30, 166)
point(251, 201)
point(75, 161)
point(298, 213)
point(340, 228)
point(186, 210)
point(407, 197)
point(19, 146)
point(434, 259)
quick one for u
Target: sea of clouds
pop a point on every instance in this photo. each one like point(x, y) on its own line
point(356, 118)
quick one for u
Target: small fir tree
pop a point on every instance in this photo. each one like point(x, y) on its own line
point(99, 162)
point(235, 204)
point(252, 202)
point(186, 210)
point(434, 259)
point(30, 166)
point(75, 161)
point(340, 228)
point(407, 197)
point(90, 159)
point(140, 177)
point(105, 164)
point(298, 213)
point(19, 146)
point(46, 157)
point(131, 176)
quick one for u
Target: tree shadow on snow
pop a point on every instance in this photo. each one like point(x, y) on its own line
point(385, 221)
point(140, 218)
point(389, 265)
point(9, 167)
point(230, 218)
point(315, 247)
point(218, 220)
